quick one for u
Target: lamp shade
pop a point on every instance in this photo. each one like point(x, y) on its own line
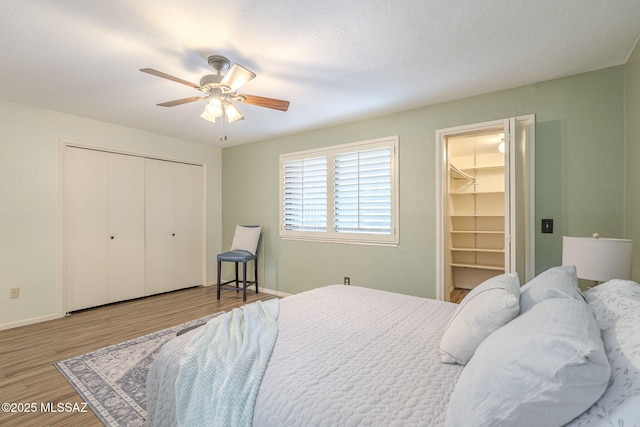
point(598, 259)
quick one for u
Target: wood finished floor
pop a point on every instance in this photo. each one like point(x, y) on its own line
point(458, 294)
point(27, 353)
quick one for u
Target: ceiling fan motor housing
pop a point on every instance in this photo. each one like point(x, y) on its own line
point(219, 63)
point(211, 80)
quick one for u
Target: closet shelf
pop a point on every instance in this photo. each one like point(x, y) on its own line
point(477, 250)
point(458, 174)
point(483, 167)
point(475, 193)
point(479, 266)
point(498, 215)
point(476, 232)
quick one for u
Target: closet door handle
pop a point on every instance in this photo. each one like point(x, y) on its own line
point(113, 237)
point(173, 234)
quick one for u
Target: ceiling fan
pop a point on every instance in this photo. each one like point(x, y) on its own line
point(220, 90)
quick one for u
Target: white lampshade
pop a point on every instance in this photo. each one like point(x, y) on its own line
point(598, 259)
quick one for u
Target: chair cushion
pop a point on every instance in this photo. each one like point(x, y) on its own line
point(236, 256)
point(246, 239)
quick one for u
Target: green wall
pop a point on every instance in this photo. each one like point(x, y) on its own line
point(579, 182)
point(632, 128)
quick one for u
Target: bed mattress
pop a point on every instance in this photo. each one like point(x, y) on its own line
point(344, 355)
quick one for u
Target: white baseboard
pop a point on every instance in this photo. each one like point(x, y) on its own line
point(265, 290)
point(274, 292)
point(31, 321)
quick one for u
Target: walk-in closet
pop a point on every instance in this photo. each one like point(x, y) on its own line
point(485, 203)
point(476, 208)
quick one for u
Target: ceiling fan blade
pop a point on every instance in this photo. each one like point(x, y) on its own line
point(276, 104)
point(169, 77)
point(181, 101)
point(236, 77)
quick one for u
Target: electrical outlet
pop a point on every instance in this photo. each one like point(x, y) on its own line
point(347, 280)
point(14, 293)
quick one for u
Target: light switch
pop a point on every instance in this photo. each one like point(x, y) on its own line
point(547, 226)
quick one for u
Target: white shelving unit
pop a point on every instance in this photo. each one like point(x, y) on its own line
point(476, 220)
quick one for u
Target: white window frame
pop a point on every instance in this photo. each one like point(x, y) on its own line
point(341, 237)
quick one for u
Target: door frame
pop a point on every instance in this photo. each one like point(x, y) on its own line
point(526, 123)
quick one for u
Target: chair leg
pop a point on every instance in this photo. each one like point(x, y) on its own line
point(255, 272)
point(236, 277)
point(219, 265)
point(244, 282)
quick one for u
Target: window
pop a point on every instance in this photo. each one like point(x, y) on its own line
point(345, 193)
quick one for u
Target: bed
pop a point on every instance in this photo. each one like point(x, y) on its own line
point(346, 355)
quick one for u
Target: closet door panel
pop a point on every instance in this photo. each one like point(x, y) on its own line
point(126, 227)
point(85, 228)
point(189, 229)
point(160, 225)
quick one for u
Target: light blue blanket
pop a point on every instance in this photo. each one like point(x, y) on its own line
point(222, 367)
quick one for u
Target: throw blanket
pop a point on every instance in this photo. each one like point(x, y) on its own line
point(222, 367)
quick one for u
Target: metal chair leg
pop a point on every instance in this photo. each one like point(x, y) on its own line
point(244, 282)
point(255, 272)
point(219, 268)
point(236, 277)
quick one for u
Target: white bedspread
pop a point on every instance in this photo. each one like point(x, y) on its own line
point(344, 355)
point(355, 356)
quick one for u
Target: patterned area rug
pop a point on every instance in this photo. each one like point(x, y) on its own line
point(112, 380)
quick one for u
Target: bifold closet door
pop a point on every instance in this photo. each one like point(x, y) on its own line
point(85, 228)
point(126, 227)
point(174, 225)
point(103, 227)
point(189, 225)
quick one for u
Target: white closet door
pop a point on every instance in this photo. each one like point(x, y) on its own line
point(160, 222)
point(189, 229)
point(126, 227)
point(174, 205)
point(85, 228)
point(133, 227)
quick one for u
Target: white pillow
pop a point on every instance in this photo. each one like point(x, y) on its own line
point(556, 282)
point(246, 239)
point(490, 305)
point(620, 403)
point(544, 368)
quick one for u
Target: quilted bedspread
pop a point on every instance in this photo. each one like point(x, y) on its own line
point(344, 355)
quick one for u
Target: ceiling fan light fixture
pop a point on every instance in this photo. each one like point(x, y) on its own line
point(205, 115)
point(214, 107)
point(232, 113)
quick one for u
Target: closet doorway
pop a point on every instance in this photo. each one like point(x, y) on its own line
point(485, 203)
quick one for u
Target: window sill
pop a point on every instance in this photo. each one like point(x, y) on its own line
point(341, 241)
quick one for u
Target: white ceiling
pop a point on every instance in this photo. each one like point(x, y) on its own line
point(335, 60)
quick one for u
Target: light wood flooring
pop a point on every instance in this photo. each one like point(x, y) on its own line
point(458, 294)
point(27, 353)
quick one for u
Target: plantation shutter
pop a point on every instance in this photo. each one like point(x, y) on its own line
point(305, 194)
point(362, 192)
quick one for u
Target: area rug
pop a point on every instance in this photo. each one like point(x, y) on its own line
point(112, 380)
